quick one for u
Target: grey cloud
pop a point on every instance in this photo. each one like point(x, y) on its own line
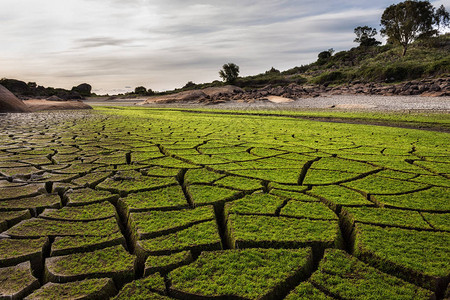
point(94, 42)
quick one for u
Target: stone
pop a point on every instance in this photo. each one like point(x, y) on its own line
point(10, 103)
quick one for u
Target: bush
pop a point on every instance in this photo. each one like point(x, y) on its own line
point(327, 78)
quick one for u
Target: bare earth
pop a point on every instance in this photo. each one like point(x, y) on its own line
point(359, 103)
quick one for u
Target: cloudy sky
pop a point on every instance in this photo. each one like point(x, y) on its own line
point(116, 45)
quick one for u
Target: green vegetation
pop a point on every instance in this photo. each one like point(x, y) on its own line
point(307, 291)
point(310, 210)
point(257, 203)
point(385, 216)
point(147, 225)
point(17, 281)
point(249, 273)
point(89, 288)
point(162, 199)
point(166, 263)
point(113, 262)
point(418, 200)
point(263, 231)
point(92, 212)
point(205, 194)
point(143, 289)
point(337, 196)
point(257, 189)
point(345, 277)
point(200, 237)
point(73, 244)
point(35, 228)
point(87, 196)
point(417, 256)
point(125, 182)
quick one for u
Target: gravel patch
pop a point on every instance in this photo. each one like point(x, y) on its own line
point(342, 102)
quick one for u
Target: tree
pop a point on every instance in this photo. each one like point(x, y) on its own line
point(365, 36)
point(140, 90)
point(442, 17)
point(229, 72)
point(324, 56)
point(407, 21)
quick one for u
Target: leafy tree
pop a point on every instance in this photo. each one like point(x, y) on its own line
point(229, 72)
point(189, 84)
point(324, 56)
point(273, 71)
point(140, 90)
point(442, 17)
point(365, 36)
point(409, 20)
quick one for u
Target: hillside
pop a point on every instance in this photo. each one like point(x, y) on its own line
point(376, 64)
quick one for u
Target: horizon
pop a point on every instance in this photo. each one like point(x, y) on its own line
point(117, 45)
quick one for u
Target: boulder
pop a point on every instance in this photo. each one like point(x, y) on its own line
point(37, 105)
point(10, 103)
point(16, 87)
point(83, 89)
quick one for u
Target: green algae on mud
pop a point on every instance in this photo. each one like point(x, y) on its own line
point(173, 187)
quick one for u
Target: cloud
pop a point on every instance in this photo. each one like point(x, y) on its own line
point(163, 44)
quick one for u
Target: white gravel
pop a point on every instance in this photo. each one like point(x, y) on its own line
point(347, 102)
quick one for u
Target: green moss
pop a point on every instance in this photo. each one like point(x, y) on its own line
point(15, 280)
point(348, 278)
point(158, 199)
point(203, 236)
point(96, 211)
point(20, 191)
point(438, 221)
point(338, 195)
point(201, 176)
point(395, 250)
point(307, 291)
point(72, 244)
point(75, 290)
point(310, 210)
point(87, 196)
point(240, 183)
point(205, 194)
point(386, 216)
point(276, 175)
point(144, 289)
point(264, 230)
point(381, 185)
point(250, 273)
point(41, 227)
point(36, 204)
point(254, 204)
point(167, 262)
point(11, 248)
point(133, 181)
point(420, 200)
point(150, 224)
point(108, 260)
point(322, 177)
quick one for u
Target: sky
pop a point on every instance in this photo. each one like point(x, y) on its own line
point(116, 45)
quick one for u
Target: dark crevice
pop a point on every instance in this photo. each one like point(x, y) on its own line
point(181, 180)
point(219, 211)
point(305, 169)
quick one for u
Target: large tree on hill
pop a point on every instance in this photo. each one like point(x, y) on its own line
point(229, 73)
point(406, 21)
point(365, 36)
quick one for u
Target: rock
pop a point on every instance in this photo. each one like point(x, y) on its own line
point(38, 105)
point(10, 103)
point(54, 98)
point(16, 87)
point(83, 89)
point(209, 94)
